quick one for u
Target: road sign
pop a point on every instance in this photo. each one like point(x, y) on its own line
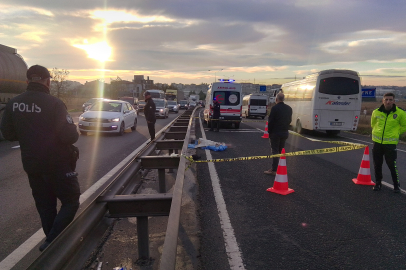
point(369, 92)
point(262, 88)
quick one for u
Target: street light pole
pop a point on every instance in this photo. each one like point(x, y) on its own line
point(215, 74)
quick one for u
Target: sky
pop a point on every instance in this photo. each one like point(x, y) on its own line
point(199, 41)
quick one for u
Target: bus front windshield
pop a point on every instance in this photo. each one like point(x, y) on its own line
point(339, 86)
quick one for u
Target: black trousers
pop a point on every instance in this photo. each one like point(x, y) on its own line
point(277, 144)
point(46, 189)
point(151, 129)
point(216, 123)
point(388, 151)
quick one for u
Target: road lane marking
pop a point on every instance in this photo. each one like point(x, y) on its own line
point(231, 245)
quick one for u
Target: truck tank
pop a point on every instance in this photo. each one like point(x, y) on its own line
point(13, 72)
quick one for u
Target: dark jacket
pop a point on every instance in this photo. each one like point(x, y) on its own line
point(279, 120)
point(43, 128)
point(149, 111)
point(216, 110)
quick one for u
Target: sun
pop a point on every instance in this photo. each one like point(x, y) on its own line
point(99, 51)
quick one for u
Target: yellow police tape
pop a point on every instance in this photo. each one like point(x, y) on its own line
point(348, 147)
point(223, 120)
point(298, 153)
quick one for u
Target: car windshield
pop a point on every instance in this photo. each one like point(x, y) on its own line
point(141, 102)
point(171, 102)
point(159, 103)
point(183, 102)
point(106, 107)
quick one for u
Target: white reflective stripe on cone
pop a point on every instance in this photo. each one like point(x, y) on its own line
point(282, 162)
point(364, 171)
point(281, 178)
point(366, 157)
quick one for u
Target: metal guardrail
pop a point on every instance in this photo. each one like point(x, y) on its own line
point(168, 257)
point(73, 246)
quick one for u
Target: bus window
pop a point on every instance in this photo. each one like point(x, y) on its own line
point(309, 91)
point(339, 86)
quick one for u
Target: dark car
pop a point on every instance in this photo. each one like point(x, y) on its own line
point(183, 104)
point(89, 103)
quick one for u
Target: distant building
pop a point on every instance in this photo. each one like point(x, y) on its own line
point(380, 91)
point(140, 85)
point(95, 89)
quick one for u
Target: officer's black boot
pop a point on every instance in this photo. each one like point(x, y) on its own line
point(377, 186)
point(396, 188)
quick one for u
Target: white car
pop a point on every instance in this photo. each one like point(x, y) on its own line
point(161, 107)
point(173, 106)
point(110, 116)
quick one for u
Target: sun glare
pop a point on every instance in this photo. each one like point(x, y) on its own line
point(99, 51)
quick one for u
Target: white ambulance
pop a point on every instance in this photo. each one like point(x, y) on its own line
point(228, 94)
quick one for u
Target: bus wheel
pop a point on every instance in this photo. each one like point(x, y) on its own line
point(299, 128)
point(332, 132)
point(237, 125)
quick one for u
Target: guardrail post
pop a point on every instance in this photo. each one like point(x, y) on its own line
point(143, 241)
point(170, 153)
point(161, 177)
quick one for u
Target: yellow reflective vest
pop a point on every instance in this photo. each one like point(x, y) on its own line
point(386, 128)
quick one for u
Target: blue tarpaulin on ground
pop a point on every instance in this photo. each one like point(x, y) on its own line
point(207, 144)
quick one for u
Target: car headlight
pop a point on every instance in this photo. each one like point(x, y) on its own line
point(161, 110)
point(81, 118)
point(114, 120)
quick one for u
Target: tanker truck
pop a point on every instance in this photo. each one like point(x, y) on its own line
point(13, 72)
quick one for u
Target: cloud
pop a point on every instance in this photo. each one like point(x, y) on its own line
point(184, 39)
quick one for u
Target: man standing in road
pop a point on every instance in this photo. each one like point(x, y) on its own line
point(149, 112)
point(46, 132)
point(278, 125)
point(216, 115)
point(387, 122)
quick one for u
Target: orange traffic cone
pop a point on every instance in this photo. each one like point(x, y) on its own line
point(280, 184)
point(266, 134)
point(364, 173)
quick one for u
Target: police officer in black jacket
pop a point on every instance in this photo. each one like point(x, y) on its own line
point(216, 115)
point(46, 132)
point(278, 129)
point(149, 112)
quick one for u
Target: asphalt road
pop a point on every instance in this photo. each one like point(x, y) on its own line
point(327, 223)
point(19, 219)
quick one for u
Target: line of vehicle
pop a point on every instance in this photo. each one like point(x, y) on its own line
point(230, 241)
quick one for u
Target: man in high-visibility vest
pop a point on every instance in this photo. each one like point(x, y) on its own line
point(388, 122)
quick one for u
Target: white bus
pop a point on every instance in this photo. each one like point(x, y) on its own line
point(155, 93)
point(254, 105)
point(328, 100)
